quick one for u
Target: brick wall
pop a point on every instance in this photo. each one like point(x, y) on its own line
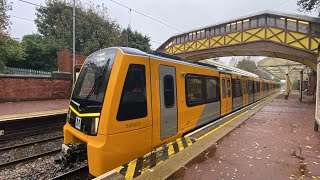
point(22, 88)
point(65, 60)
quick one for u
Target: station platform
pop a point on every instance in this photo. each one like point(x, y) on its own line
point(14, 110)
point(278, 142)
point(272, 139)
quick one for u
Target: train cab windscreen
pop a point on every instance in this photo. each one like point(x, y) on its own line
point(92, 82)
point(89, 91)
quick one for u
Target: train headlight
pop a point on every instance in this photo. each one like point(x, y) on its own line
point(94, 125)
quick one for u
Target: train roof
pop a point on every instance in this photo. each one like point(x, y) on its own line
point(212, 65)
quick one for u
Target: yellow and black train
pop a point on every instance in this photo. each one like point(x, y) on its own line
point(127, 103)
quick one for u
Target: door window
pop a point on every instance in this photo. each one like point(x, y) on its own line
point(229, 87)
point(223, 88)
point(133, 103)
point(168, 91)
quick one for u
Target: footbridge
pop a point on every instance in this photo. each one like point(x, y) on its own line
point(269, 33)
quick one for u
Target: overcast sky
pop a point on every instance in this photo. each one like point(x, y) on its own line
point(184, 15)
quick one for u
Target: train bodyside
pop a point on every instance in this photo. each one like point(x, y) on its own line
point(148, 102)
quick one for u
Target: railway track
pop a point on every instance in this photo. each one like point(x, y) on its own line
point(30, 158)
point(28, 126)
point(31, 143)
point(27, 146)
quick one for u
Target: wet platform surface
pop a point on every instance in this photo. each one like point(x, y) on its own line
point(278, 142)
point(13, 108)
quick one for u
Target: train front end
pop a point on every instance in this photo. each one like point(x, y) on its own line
point(82, 139)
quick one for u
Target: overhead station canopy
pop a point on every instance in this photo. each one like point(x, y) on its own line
point(228, 68)
point(280, 67)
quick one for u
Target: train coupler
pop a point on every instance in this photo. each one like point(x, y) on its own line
point(71, 153)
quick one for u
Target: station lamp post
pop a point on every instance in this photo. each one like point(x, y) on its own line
point(73, 42)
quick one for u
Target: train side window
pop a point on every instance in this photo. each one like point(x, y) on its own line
point(223, 88)
point(258, 87)
point(251, 87)
point(212, 89)
point(236, 87)
point(133, 103)
point(194, 90)
point(168, 91)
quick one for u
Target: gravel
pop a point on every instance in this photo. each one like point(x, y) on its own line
point(31, 138)
point(28, 151)
point(42, 168)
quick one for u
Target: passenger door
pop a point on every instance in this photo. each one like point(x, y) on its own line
point(223, 90)
point(226, 94)
point(229, 93)
point(168, 102)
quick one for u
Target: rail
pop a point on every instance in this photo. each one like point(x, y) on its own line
point(27, 126)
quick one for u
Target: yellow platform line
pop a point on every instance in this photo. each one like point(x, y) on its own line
point(224, 124)
point(33, 114)
point(146, 163)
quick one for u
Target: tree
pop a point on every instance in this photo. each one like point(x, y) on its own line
point(10, 50)
point(309, 5)
point(247, 65)
point(295, 85)
point(135, 39)
point(40, 55)
point(94, 29)
point(233, 62)
point(4, 17)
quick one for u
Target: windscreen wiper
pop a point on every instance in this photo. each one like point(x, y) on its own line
point(96, 84)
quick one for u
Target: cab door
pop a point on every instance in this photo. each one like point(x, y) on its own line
point(229, 93)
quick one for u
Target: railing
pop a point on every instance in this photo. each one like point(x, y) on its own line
point(19, 71)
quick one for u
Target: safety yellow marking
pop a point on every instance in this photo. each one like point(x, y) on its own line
point(145, 165)
point(205, 135)
point(180, 145)
point(118, 169)
point(170, 150)
point(32, 114)
point(189, 142)
point(129, 173)
point(131, 168)
point(229, 121)
point(85, 114)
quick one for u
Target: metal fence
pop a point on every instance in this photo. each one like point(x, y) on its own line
point(19, 71)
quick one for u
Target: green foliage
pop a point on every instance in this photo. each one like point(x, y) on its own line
point(247, 65)
point(4, 18)
point(10, 50)
point(295, 85)
point(250, 65)
point(40, 55)
point(309, 5)
point(94, 30)
point(136, 40)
